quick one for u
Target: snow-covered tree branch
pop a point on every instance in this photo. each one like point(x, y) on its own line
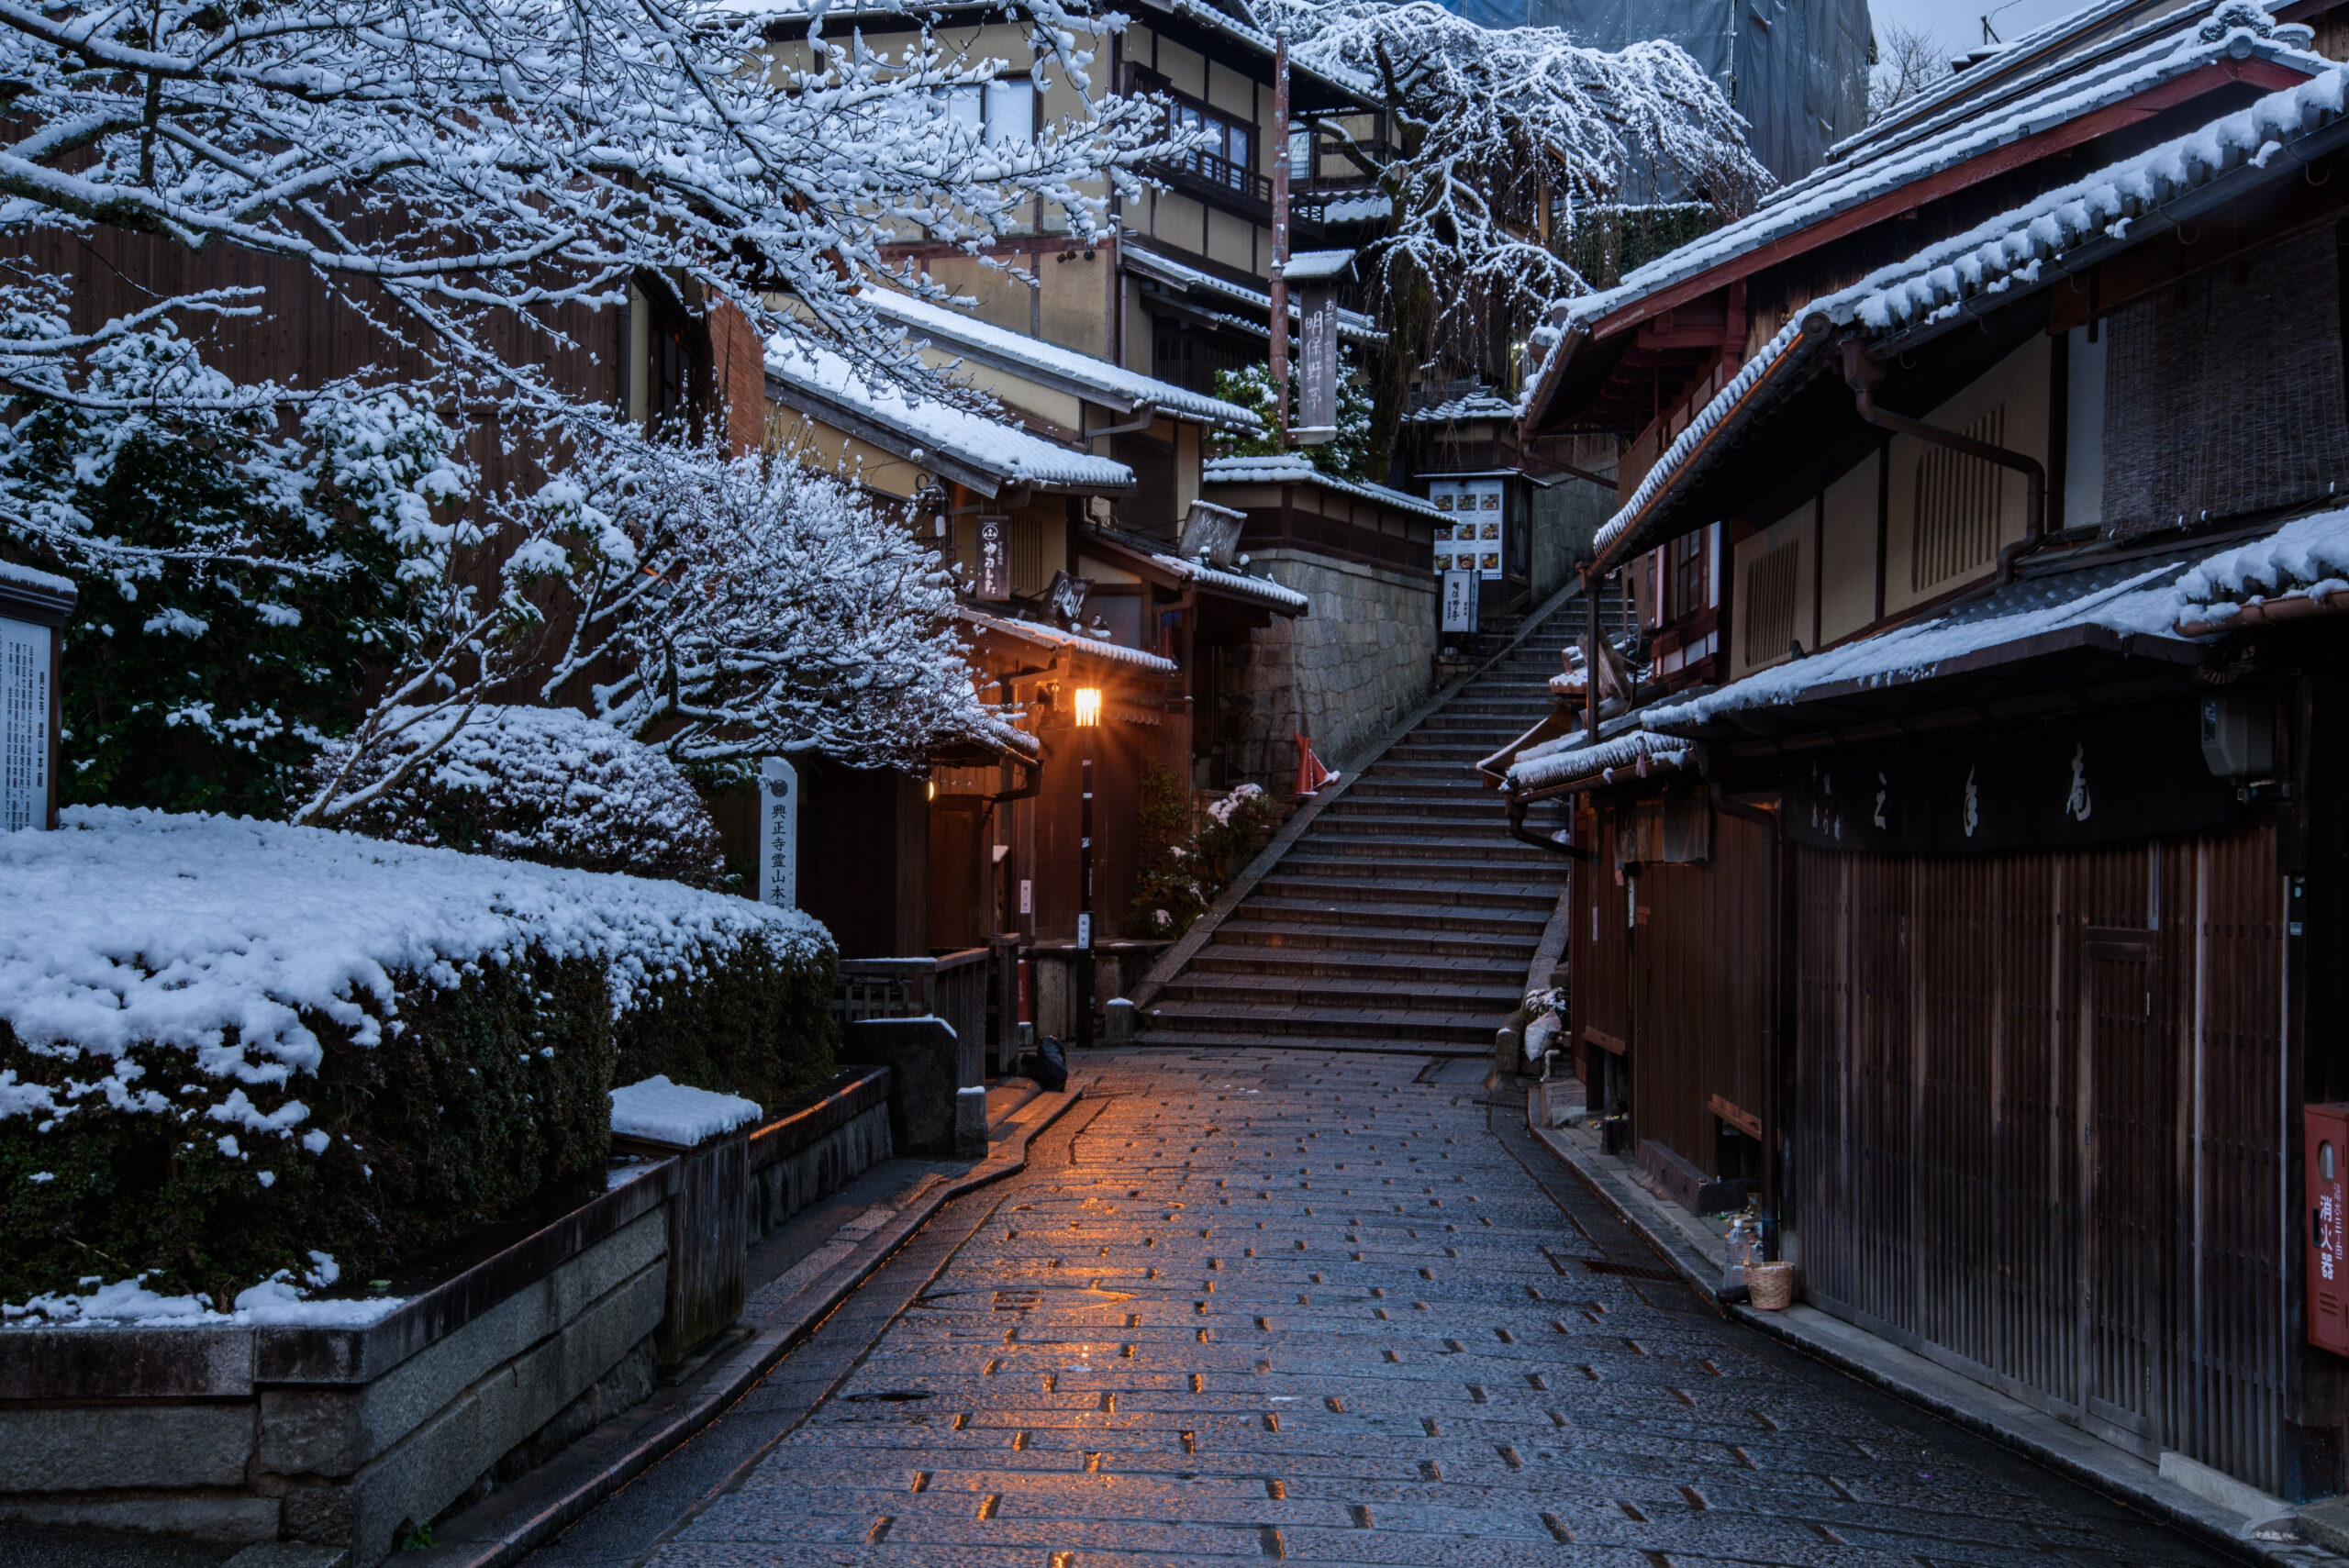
point(458, 173)
point(1501, 145)
point(739, 606)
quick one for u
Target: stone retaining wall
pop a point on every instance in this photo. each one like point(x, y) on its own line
point(354, 1438)
point(1355, 665)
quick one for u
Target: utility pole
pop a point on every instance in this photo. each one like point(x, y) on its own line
point(1279, 322)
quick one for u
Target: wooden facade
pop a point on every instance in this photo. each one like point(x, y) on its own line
point(2029, 1066)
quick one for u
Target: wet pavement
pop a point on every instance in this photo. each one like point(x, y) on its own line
point(1323, 1308)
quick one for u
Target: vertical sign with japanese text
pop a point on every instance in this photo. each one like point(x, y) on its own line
point(1460, 600)
point(778, 833)
point(1319, 350)
point(24, 724)
point(994, 561)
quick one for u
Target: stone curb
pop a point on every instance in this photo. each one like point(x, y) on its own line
point(1170, 963)
point(1946, 1394)
point(509, 1523)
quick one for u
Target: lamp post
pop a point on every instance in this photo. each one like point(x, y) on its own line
point(1088, 719)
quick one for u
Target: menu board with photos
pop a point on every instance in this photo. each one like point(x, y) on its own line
point(1473, 537)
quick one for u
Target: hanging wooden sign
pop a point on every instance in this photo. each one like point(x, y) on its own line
point(994, 561)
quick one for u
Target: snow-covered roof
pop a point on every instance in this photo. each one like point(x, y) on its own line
point(1566, 761)
point(1314, 266)
point(971, 448)
point(1112, 384)
point(1997, 262)
point(2135, 601)
point(1238, 584)
point(1290, 469)
point(2060, 93)
point(1200, 14)
point(1484, 403)
point(1362, 207)
point(1053, 637)
point(1351, 324)
point(47, 584)
point(2307, 559)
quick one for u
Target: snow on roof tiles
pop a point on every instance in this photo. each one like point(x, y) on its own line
point(1289, 469)
point(991, 446)
point(1351, 324)
point(950, 329)
point(1053, 637)
point(2058, 94)
point(2136, 597)
point(1567, 761)
point(1313, 266)
point(1261, 589)
point(1482, 403)
point(2306, 559)
point(2001, 259)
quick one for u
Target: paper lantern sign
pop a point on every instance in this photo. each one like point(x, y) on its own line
point(33, 608)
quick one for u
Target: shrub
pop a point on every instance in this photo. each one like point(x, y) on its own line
point(547, 784)
point(1185, 864)
point(226, 1047)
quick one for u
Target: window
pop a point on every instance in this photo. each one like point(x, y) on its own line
point(1690, 587)
point(1769, 607)
point(1960, 508)
point(995, 112)
point(1300, 155)
point(1228, 141)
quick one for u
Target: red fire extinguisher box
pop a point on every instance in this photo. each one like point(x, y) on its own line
point(2326, 1156)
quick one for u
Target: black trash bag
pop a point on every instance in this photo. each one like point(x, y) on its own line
point(1047, 1066)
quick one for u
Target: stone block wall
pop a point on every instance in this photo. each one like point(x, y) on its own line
point(1355, 667)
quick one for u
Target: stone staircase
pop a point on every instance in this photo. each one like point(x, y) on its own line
point(1404, 917)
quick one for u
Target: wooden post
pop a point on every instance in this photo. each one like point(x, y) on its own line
point(1279, 322)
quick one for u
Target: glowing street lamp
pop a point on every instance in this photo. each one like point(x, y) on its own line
point(1088, 720)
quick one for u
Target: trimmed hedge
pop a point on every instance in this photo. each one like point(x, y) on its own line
point(491, 1097)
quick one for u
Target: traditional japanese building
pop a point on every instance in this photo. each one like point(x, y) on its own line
point(1955, 839)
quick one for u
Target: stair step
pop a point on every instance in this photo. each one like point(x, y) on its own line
point(1256, 991)
point(1464, 893)
point(1269, 921)
point(1474, 1026)
point(1230, 1040)
point(1503, 969)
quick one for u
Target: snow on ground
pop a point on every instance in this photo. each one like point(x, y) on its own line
point(675, 1113)
point(212, 935)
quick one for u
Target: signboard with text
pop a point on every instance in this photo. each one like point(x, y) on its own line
point(1460, 599)
point(1475, 536)
point(778, 833)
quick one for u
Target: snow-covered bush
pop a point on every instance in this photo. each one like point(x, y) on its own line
point(1348, 456)
point(228, 1044)
point(235, 580)
point(549, 784)
point(1187, 862)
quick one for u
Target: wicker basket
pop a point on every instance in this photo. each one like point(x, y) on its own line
point(1771, 1286)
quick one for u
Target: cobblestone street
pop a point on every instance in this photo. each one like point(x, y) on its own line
point(1320, 1307)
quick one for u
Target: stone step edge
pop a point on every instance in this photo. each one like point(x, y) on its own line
point(516, 1519)
point(1171, 963)
point(1913, 1379)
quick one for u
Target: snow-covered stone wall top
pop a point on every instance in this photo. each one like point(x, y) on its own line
point(675, 1113)
point(46, 583)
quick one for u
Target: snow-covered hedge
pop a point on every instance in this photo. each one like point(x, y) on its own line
point(549, 784)
point(226, 1045)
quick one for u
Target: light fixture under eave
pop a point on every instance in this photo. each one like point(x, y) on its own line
point(933, 789)
point(1088, 706)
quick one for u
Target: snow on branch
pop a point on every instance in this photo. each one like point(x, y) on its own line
point(742, 607)
point(1502, 143)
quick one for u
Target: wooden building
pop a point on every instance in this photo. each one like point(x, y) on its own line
point(1957, 883)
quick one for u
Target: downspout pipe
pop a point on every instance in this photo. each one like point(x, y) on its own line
point(1145, 414)
point(1524, 835)
point(1862, 374)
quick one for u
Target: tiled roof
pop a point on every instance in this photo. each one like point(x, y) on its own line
point(1289, 469)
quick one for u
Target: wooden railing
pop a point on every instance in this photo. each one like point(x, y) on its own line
point(952, 986)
